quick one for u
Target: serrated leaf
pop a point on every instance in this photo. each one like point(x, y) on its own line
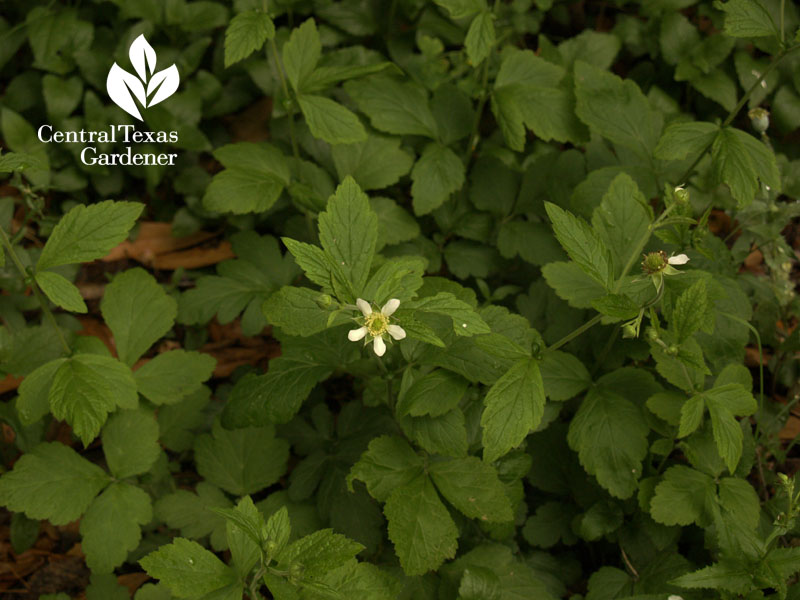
point(130, 443)
point(52, 482)
point(295, 310)
point(610, 435)
point(461, 9)
point(330, 121)
point(171, 376)
point(188, 569)
point(473, 487)
point(747, 18)
point(571, 283)
point(727, 574)
point(112, 526)
point(691, 415)
point(320, 552)
point(435, 176)
point(393, 106)
point(236, 460)
point(301, 53)
point(682, 496)
point(514, 407)
point(420, 527)
point(682, 140)
point(348, 231)
point(245, 34)
point(434, 394)
point(466, 322)
point(388, 463)
point(690, 312)
point(480, 38)
point(138, 311)
point(564, 376)
point(190, 513)
point(582, 244)
point(86, 387)
point(375, 163)
point(86, 233)
point(61, 292)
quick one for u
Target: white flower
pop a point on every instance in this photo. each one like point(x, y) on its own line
point(675, 597)
point(376, 325)
point(681, 259)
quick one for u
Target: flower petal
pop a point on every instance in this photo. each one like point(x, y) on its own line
point(364, 307)
point(681, 259)
point(391, 306)
point(379, 346)
point(396, 331)
point(356, 334)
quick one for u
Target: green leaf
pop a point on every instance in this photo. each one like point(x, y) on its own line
point(747, 18)
point(320, 552)
point(245, 34)
point(563, 375)
point(514, 407)
point(111, 528)
point(395, 224)
point(86, 387)
point(727, 574)
point(388, 463)
point(253, 180)
point(682, 496)
point(473, 487)
point(616, 306)
point(434, 394)
point(296, 310)
point(466, 322)
point(445, 434)
point(392, 106)
point(348, 232)
point(622, 220)
point(691, 415)
point(138, 311)
point(616, 109)
point(61, 292)
point(86, 233)
point(682, 140)
point(177, 422)
point(571, 283)
point(420, 527)
point(435, 176)
point(691, 311)
point(330, 121)
point(243, 529)
point(236, 460)
point(171, 376)
point(375, 163)
point(301, 53)
point(278, 529)
point(582, 244)
point(480, 38)
point(188, 569)
point(398, 278)
point(189, 512)
point(52, 482)
point(313, 261)
point(33, 401)
point(610, 435)
point(130, 443)
point(739, 160)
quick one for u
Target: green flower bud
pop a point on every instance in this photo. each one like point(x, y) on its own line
point(629, 330)
point(324, 300)
point(759, 119)
point(681, 195)
point(672, 350)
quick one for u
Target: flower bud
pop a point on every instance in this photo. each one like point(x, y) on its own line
point(681, 195)
point(629, 330)
point(654, 262)
point(759, 119)
point(323, 300)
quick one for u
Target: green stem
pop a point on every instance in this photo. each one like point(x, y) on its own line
point(783, 35)
point(39, 296)
point(573, 334)
point(732, 114)
point(472, 140)
point(289, 99)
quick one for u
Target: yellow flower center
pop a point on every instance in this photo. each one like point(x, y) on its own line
point(377, 324)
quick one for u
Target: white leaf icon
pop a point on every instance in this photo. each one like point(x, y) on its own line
point(166, 82)
point(120, 84)
point(139, 53)
point(123, 86)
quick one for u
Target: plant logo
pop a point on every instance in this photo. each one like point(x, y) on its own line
point(123, 87)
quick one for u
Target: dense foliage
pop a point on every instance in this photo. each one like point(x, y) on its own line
point(526, 263)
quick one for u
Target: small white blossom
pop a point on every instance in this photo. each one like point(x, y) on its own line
point(681, 259)
point(376, 325)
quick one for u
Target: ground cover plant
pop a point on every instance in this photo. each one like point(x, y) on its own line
point(464, 299)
